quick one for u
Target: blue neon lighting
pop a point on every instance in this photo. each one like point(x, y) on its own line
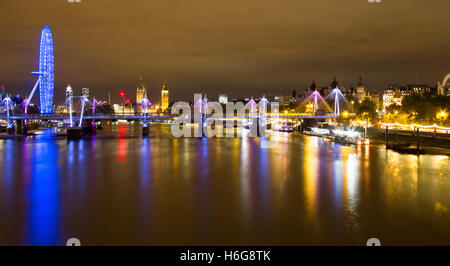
point(47, 70)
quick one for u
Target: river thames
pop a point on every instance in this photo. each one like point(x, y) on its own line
point(121, 189)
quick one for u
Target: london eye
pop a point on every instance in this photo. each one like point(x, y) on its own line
point(46, 73)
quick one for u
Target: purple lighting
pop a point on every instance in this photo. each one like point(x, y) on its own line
point(317, 102)
point(338, 101)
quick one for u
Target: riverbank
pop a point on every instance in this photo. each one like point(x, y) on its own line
point(11, 136)
point(438, 146)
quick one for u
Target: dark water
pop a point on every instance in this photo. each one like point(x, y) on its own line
point(117, 189)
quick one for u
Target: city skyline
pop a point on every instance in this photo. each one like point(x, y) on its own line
point(248, 56)
point(205, 127)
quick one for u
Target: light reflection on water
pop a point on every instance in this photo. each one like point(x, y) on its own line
point(120, 188)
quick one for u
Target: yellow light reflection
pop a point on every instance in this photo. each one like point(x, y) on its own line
point(311, 170)
point(175, 158)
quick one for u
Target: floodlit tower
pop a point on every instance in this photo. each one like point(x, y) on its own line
point(164, 97)
point(141, 91)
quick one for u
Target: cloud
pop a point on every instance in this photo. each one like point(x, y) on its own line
point(244, 47)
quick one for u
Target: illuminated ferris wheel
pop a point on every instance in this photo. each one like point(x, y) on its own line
point(46, 73)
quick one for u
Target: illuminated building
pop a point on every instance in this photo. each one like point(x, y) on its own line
point(310, 108)
point(284, 100)
point(360, 90)
point(394, 95)
point(374, 97)
point(61, 109)
point(388, 98)
point(397, 98)
point(141, 91)
point(123, 109)
point(164, 97)
point(415, 88)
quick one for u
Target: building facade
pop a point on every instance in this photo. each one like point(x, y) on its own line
point(418, 88)
point(284, 100)
point(388, 98)
point(360, 90)
point(141, 91)
point(395, 95)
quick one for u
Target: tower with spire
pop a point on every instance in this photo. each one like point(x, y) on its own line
point(313, 86)
point(360, 90)
point(141, 91)
point(164, 96)
point(334, 84)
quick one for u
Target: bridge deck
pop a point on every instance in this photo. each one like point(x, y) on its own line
point(138, 116)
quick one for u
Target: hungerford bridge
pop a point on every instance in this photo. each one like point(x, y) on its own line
point(314, 107)
point(82, 122)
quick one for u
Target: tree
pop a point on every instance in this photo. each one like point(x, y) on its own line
point(394, 109)
point(423, 108)
point(353, 103)
point(366, 109)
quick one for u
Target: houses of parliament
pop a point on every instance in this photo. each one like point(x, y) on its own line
point(141, 93)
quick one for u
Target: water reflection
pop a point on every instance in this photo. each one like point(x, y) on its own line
point(351, 181)
point(44, 195)
point(311, 171)
point(120, 188)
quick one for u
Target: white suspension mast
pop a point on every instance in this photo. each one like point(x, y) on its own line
point(7, 100)
point(70, 112)
point(28, 99)
point(83, 101)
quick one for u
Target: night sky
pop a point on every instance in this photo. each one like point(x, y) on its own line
point(239, 47)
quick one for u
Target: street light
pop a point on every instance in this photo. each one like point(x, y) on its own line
point(366, 123)
point(442, 115)
point(345, 114)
